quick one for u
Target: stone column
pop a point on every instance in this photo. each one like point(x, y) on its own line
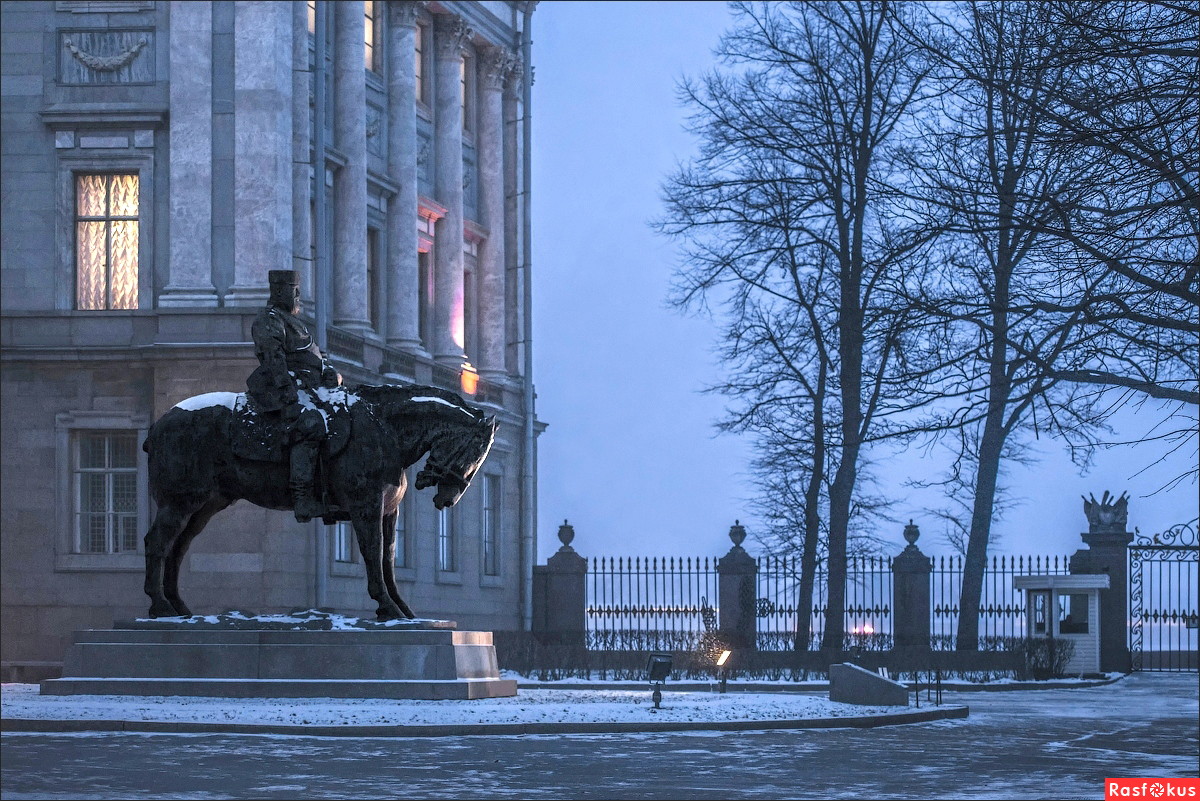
point(910, 595)
point(191, 282)
point(262, 184)
point(512, 206)
point(560, 594)
point(450, 34)
point(1108, 541)
point(302, 171)
point(497, 63)
point(737, 575)
point(350, 182)
point(403, 281)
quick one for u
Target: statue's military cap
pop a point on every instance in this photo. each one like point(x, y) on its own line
point(281, 276)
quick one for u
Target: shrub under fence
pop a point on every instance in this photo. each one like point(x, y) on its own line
point(622, 655)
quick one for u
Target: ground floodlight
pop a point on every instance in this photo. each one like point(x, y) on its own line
point(659, 667)
point(657, 670)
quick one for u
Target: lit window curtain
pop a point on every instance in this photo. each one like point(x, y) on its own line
point(106, 241)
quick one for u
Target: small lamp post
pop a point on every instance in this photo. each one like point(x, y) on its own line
point(721, 660)
point(657, 670)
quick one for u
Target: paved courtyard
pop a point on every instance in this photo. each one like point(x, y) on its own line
point(1020, 744)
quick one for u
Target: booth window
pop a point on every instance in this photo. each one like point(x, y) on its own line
point(1073, 614)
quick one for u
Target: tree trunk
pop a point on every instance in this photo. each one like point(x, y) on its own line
point(812, 522)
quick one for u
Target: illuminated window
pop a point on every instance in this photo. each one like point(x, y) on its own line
point(446, 560)
point(373, 277)
point(104, 464)
point(420, 64)
point(312, 16)
point(106, 241)
point(373, 35)
point(491, 525)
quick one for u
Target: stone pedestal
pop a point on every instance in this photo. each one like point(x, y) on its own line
point(1108, 553)
point(560, 594)
point(910, 588)
point(737, 577)
point(427, 661)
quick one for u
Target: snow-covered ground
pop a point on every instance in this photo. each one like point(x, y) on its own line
point(529, 706)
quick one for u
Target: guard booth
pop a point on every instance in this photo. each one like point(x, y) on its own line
point(1066, 606)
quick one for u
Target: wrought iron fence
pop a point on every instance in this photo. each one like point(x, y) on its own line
point(1001, 607)
point(1163, 619)
point(652, 594)
point(634, 598)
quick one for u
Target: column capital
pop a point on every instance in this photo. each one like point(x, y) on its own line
point(516, 69)
point(497, 63)
point(451, 34)
point(404, 12)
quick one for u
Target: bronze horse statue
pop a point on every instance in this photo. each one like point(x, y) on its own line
point(195, 472)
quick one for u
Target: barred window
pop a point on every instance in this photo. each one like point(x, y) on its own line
point(345, 544)
point(446, 555)
point(104, 466)
point(491, 525)
point(106, 241)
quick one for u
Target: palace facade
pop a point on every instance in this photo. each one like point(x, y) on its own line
point(159, 158)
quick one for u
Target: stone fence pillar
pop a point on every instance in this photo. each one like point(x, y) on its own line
point(560, 594)
point(910, 595)
point(737, 574)
point(1108, 541)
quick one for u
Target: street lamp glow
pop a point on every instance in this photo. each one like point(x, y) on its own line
point(721, 659)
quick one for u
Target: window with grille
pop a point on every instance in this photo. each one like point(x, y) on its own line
point(106, 241)
point(446, 555)
point(345, 546)
point(104, 466)
point(491, 525)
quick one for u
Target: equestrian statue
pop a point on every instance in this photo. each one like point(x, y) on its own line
point(300, 440)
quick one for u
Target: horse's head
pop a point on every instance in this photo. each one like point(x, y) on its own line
point(454, 457)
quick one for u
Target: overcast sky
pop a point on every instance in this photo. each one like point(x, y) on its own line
point(630, 455)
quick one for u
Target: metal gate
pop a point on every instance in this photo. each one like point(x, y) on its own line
point(1163, 621)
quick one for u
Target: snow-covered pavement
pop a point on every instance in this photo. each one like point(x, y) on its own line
point(22, 701)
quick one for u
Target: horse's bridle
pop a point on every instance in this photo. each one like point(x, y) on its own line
point(435, 475)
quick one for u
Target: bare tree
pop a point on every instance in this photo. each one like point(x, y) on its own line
point(788, 221)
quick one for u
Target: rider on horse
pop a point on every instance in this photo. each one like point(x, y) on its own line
point(291, 368)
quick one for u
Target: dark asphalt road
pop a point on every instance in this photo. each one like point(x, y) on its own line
point(1027, 744)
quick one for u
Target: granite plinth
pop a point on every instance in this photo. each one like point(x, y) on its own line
point(851, 684)
point(176, 657)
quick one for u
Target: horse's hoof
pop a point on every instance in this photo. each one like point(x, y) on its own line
point(162, 609)
point(390, 612)
point(181, 608)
